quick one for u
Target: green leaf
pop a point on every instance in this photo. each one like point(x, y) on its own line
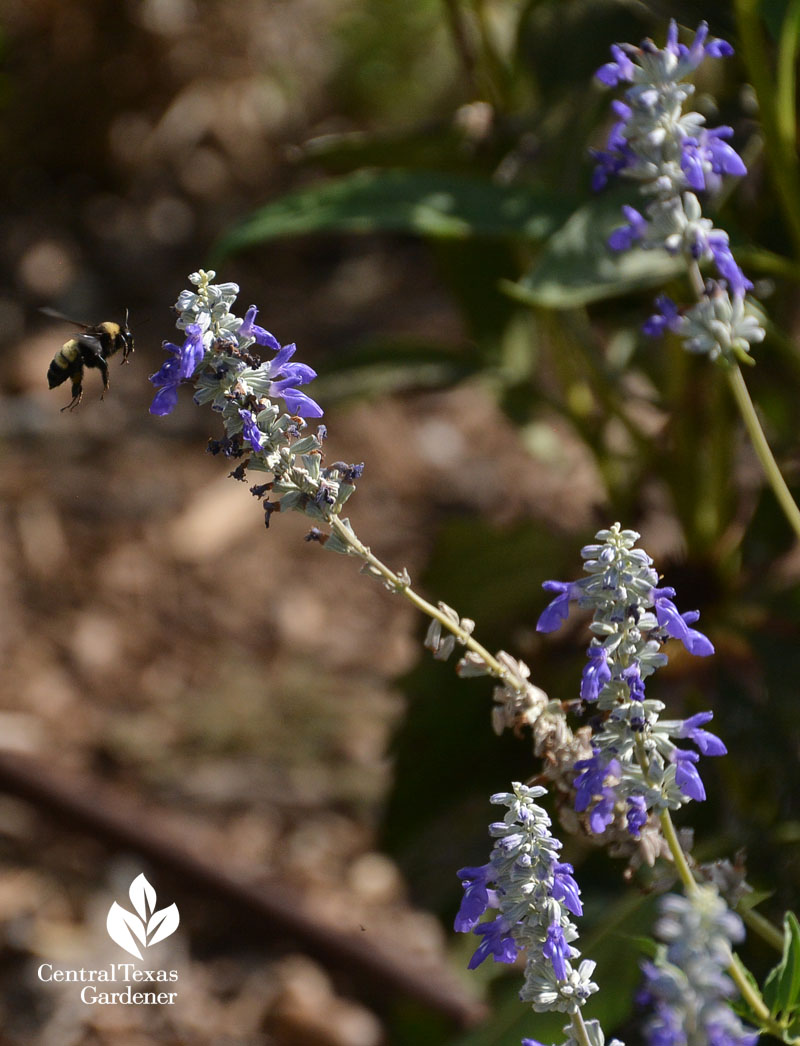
point(421, 203)
point(792, 1033)
point(753, 899)
point(782, 986)
point(438, 147)
point(578, 267)
point(774, 15)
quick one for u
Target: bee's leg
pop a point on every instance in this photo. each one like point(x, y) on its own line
point(77, 394)
point(101, 363)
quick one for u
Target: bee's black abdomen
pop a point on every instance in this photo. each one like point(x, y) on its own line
point(56, 375)
point(63, 364)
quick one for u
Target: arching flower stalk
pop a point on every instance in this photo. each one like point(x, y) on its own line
point(265, 412)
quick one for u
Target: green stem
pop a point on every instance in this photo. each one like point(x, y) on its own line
point(463, 45)
point(753, 426)
point(762, 448)
point(752, 996)
point(399, 585)
point(678, 856)
point(763, 927)
point(493, 65)
point(779, 132)
point(786, 86)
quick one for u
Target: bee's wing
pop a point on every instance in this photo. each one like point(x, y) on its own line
point(56, 315)
point(91, 342)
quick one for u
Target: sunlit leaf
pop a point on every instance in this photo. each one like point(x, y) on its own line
point(577, 267)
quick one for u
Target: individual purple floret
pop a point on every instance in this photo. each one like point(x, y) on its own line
point(620, 70)
point(706, 157)
point(677, 624)
point(285, 376)
point(596, 673)
point(565, 889)
point(636, 816)
point(686, 776)
point(727, 266)
point(708, 743)
point(498, 941)
point(250, 329)
point(633, 677)
point(557, 951)
point(557, 611)
point(668, 317)
point(185, 360)
point(476, 898)
point(592, 791)
point(252, 433)
point(617, 155)
point(623, 238)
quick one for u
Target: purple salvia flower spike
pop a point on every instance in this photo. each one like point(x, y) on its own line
point(636, 766)
point(535, 894)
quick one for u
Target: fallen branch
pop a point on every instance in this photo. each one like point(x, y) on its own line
point(89, 806)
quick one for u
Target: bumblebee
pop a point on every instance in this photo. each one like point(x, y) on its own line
point(91, 348)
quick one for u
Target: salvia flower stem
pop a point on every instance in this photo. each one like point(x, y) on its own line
point(579, 1032)
point(399, 584)
point(736, 969)
point(531, 897)
point(743, 980)
point(746, 408)
point(678, 856)
point(762, 448)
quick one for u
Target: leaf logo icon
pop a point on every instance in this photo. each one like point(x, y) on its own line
point(144, 926)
